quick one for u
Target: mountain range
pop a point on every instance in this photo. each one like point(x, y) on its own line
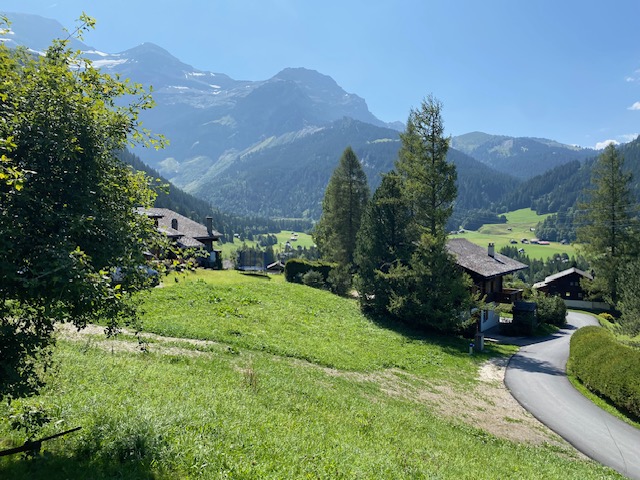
point(269, 147)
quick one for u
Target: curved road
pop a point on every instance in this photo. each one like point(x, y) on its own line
point(536, 378)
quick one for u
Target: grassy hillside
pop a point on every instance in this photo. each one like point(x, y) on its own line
point(519, 225)
point(263, 379)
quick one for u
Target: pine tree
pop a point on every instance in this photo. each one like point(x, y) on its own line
point(342, 207)
point(610, 225)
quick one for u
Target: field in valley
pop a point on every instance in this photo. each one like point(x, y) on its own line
point(520, 225)
point(248, 377)
point(303, 240)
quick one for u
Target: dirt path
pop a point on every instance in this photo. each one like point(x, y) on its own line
point(487, 405)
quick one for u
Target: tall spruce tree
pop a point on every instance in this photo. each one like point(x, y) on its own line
point(609, 224)
point(382, 241)
point(409, 274)
point(344, 202)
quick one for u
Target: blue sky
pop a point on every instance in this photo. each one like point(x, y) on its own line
point(567, 70)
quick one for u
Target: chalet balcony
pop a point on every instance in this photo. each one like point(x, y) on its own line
point(508, 295)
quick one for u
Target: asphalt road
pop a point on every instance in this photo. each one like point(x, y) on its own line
point(536, 378)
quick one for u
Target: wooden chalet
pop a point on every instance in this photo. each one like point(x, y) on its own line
point(567, 285)
point(187, 233)
point(486, 269)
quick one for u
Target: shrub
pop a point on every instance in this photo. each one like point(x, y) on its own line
point(608, 317)
point(606, 367)
point(339, 280)
point(296, 268)
point(313, 278)
point(551, 310)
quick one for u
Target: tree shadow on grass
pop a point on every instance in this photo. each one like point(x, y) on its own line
point(52, 466)
point(451, 344)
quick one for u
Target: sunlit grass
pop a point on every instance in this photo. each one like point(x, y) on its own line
point(290, 387)
point(519, 225)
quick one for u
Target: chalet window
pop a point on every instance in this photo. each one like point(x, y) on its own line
point(567, 294)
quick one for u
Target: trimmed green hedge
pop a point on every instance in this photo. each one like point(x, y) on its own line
point(607, 367)
point(295, 269)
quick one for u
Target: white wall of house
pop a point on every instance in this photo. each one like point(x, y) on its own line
point(489, 319)
point(584, 304)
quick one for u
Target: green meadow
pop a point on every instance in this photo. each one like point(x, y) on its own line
point(247, 377)
point(520, 225)
point(301, 239)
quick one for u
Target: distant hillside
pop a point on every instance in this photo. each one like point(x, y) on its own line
point(197, 209)
point(559, 190)
point(522, 157)
point(287, 176)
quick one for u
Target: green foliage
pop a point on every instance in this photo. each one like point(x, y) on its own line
point(629, 305)
point(550, 309)
point(609, 224)
point(344, 201)
point(383, 239)
point(540, 269)
point(606, 367)
point(340, 280)
point(608, 317)
point(73, 221)
point(29, 417)
point(296, 268)
point(404, 269)
point(429, 180)
point(314, 279)
point(431, 292)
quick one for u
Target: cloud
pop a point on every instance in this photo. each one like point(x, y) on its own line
point(635, 106)
point(603, 145)
point(634, 77)
point(629, 137)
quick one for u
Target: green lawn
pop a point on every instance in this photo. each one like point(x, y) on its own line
point(518, 226)
point(294, 383)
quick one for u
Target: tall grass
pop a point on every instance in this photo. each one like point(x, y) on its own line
point(300, 386)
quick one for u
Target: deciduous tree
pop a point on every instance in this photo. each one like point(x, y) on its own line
point(73, 222)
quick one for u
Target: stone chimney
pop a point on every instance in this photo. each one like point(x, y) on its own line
point(209, 223)
point(492, 250)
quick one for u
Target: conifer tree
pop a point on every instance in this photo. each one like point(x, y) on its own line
point(344, 202)
point(609, 229)
point(404, 267)
point(429, 180)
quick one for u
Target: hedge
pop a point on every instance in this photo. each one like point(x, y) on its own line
point(607, 367)
point(295, 269)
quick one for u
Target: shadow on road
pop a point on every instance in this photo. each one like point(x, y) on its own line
point(535, 366)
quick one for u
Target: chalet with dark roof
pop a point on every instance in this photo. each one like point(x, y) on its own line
point(185, 232)
point(567, 284)
point(486, 269)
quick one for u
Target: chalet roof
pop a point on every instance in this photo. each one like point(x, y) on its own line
point(476, 259)
point(563, 273)
point(188, 232)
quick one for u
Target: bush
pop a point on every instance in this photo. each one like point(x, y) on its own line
point(313, 278)
point(551, 310)
point(296, 268)
point(608, 317)
point(339, 280)
point(606, 367)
